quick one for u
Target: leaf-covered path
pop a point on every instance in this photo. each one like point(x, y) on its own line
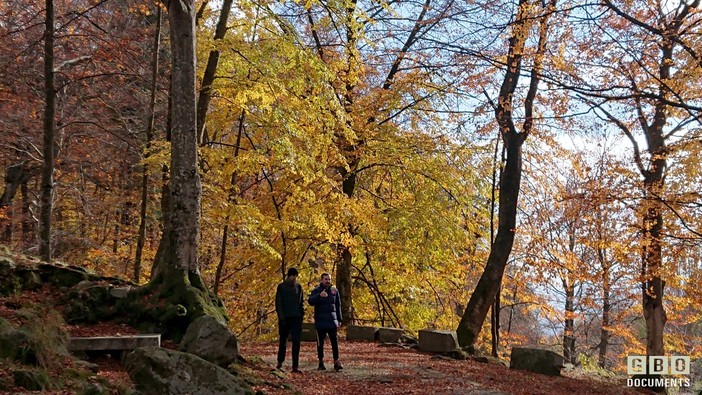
point(370, 368)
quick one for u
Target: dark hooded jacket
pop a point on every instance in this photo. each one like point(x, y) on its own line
point(289, 300)
point(327, 311)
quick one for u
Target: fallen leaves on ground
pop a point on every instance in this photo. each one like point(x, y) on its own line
point(371, 368)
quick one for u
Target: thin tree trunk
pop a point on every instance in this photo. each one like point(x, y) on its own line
point(7, 234)
point(27, 232)
point(203, 101)
point(568, 330)
point(149, 136)
point(606, 307)
point(652, 285)
point(485, 291)
point(225, 231)
point(484, 294)
point(345, 258)
point(495, 311)
point(158, 263)
point(115, 237)
point(47, 179)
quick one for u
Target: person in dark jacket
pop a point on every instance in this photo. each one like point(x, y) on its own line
point(290, 309)
point(327, 318)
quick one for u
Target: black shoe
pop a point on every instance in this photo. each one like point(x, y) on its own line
point(321, 366)
point(279, 366)
point(338, 366)
point(296, 370)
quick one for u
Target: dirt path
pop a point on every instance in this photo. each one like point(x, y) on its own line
point(370, 368)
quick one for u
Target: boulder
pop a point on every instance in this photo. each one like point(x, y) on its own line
point(210, 340)
point(9, 282)
point(156, 370)
point(364, 333)
point(120, 292)
point(432, 340)
point(62, 276)
point(536, 360)
point(30, 278)
point(390, 335)
point(89, 302)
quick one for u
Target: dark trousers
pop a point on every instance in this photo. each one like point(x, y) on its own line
point(293, 327)
point(321, 335)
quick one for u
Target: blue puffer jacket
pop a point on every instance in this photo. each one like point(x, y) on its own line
point(327, 311)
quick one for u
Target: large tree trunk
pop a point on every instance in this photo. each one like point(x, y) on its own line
point(47, 179)
point(185, 180)
point(176, 294)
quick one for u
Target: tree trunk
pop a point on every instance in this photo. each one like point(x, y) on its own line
point(27, 232)
point(149, 136)
point(176, 294)
point(185, 180)
point(158, 263)
point(345, 258)
point(652, 285)
point(606, 307)
point(568, 330)
point(232, 198)
point(495, 320)
point(203, 101)
point(485, 291)
point(343, 283)
point(495, 312)
point(47, 179)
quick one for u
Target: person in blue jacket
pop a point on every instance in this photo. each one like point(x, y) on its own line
point(290, 309)
point(327, 318)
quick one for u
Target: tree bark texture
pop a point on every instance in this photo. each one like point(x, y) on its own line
point(47, 175)
point(185, 180)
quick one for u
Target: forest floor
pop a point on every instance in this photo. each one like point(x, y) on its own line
point(369, 368)
point(372, 368)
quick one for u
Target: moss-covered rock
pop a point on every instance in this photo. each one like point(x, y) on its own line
point(29, 278)
point(211, 340)
point(9, 282)
point(88, 302)
point(62, 276)
point(162, 371)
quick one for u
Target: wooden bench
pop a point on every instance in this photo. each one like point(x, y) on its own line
point(112, 344)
